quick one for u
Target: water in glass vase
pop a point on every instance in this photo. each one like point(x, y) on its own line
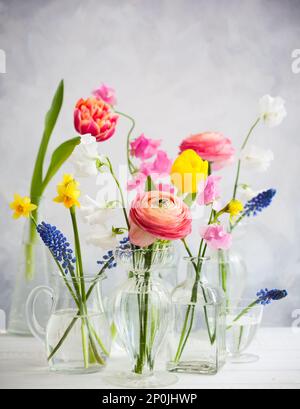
point(242, 326)
point(69, 356)
point(197, 342)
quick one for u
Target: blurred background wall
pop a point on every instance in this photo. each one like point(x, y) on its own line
point(179, 66)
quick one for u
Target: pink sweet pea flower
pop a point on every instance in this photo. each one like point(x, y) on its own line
point(137, 183)
point(211, 191)
point(216, 237)
point(165, 187)
point(160, 167)
point(106, 93)
point(144, 148)
point(162, 164)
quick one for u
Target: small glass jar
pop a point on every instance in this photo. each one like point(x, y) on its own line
point(243, 322)
point(197, 341)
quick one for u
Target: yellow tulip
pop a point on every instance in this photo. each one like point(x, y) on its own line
point(188, 171)
point(22, 206)
point(68, 192)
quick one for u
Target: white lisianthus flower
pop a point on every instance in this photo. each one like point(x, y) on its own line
point(94, 212)
point(272, 110)
point(85, 157)
point(256, 158)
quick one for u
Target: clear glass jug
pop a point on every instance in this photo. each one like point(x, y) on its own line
point(77, 340)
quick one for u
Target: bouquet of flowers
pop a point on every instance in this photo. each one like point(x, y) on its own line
point(165, 193)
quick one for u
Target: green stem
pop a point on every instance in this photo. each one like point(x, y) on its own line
point(240, 162)
point(78, 255)
point(191, 308)
point(120, 190)
point(244, 312)
point(84, 345)
point(131, 167)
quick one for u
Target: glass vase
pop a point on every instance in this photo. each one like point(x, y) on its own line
point(232, 275)
point(33, 271)
point(197, 342)
point(77, 337)
point(243, 322)
point(142, 315)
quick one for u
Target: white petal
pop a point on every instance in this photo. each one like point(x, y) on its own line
point(272, 110)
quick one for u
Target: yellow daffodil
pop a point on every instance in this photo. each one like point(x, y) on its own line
point(22, 206)
point(68, 192)
point(188, 171)
point(234, 208)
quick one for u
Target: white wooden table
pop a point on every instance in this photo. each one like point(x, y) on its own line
point(22, 365)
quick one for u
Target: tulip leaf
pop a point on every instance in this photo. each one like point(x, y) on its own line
point(59, 157)
point(50, 121)
point(190, 199)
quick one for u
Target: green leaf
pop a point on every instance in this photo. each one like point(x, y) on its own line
point(150, 186)
point(59, 157)
point(50, 121)
point(190, 199)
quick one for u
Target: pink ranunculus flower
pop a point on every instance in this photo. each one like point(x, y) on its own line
point(138, 183)
point(211, 146)
point(158, 215)
point(211, 190)
point(106, 93)
point(216, 237)
point(94, 116)
point(144, 148)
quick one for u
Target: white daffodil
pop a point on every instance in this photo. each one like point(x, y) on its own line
point(85, 157)
point(94, 212)
point(272, 110)
point(102, 237)
point(256, 158)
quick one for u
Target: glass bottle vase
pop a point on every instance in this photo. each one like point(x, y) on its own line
point(142, 315)
point(197, 343)
point(33, 270)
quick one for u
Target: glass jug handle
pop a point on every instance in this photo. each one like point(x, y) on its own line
point(36, 329)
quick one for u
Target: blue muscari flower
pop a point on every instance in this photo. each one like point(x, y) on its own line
point(265, 297)
point(259, 202)
point(108, 257)
point(125, 244)
point(58, 245)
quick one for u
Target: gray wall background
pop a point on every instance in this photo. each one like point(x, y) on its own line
point(179, 66)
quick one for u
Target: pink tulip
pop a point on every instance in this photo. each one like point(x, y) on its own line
point(216, 237)
point(106, 93)
point(144, 148)
point(211, 190)
point(211, 146)
point(93, 116)
point(158, 215)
